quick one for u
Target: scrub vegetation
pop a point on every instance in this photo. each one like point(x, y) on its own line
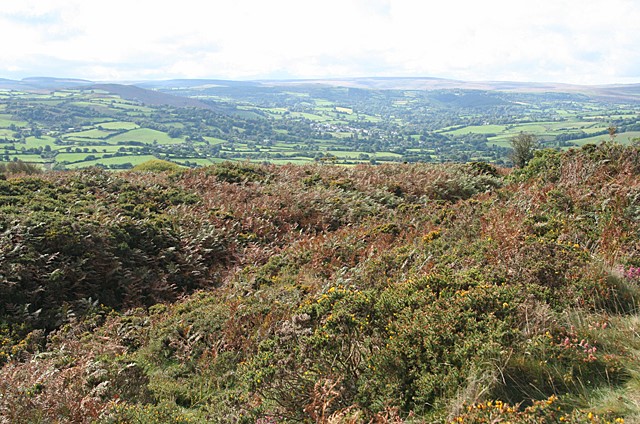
point(255, 293)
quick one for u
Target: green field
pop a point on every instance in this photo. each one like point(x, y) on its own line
point(117, 125)
point(198, 161)
point(41, 142)
point(27, 158)
point(145, 135)
point(478, 129)
point(134, 160)
point(623, 138)
point(293, 161)
point(89, 134)
point(214, 140)
point(310, 116)
point(6, 121)
point(8, 134)
point(75, 157)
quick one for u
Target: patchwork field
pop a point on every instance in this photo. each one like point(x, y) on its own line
point(94, 127)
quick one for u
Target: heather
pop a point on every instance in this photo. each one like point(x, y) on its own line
point(259, 293)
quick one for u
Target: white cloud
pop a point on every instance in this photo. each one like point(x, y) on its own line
point(546, 40)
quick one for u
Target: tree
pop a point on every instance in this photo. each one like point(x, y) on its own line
point(522, 146)
point(613, 132)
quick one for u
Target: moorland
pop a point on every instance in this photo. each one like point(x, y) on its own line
point(255, 293)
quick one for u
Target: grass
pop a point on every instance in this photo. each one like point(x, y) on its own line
point(134, 160)
point(6, 121)
point(199, 161)
point(27, 158)
point(75, 157)
point(621, 400)
point(41, 142)
point(347, 110)
point(310, 116)
point(112, 148)
point(89, 134)
point(341, 134)
point(390, 154)
point(353, 154)
point(622, 138)
point(543, 130)
point(293, 160)
point(214, 140)
point(84, 142)
point(501, 141)
point(478, 129)
point(118, 125)
point(6, 133)
point(146, 135)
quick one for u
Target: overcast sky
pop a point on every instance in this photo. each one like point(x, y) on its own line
point(573, 41)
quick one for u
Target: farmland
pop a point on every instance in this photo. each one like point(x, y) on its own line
point(301, 123)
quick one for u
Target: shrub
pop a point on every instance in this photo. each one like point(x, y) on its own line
point(19, 167)
point(157, 165)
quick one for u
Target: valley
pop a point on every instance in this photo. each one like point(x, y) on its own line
point(200, 122)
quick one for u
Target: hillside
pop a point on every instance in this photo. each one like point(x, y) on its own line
point(42, 83)
point(149, 97)
point(266, 294)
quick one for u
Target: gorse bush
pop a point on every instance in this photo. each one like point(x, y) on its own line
point(397, 293)
point(19, 167)
point(96, 236)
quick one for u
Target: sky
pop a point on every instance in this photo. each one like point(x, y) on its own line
point(569, 41)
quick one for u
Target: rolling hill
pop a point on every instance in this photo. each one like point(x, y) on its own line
point(612, 93)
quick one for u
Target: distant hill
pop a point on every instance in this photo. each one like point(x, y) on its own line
point(128, 92)
point(615, 92)
point(55, 83)
point(195, 84)
point(150, 97)
point(42, 83)
point(190, 87)
point(612, 93)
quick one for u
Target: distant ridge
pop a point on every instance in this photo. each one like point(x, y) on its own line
point(195, 83)
point(42, 83)
point(128, 92)
point(149, 97)
point(613, 92)
point(52, 82)
point(156, 92)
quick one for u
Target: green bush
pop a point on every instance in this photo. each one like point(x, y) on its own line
point(157, 165)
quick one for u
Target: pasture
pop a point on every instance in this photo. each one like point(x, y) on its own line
point(120, 160)
point(117, 125)
point(145, 135)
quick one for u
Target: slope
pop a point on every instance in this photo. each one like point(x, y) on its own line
point(397, 293)
point(149, 97)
